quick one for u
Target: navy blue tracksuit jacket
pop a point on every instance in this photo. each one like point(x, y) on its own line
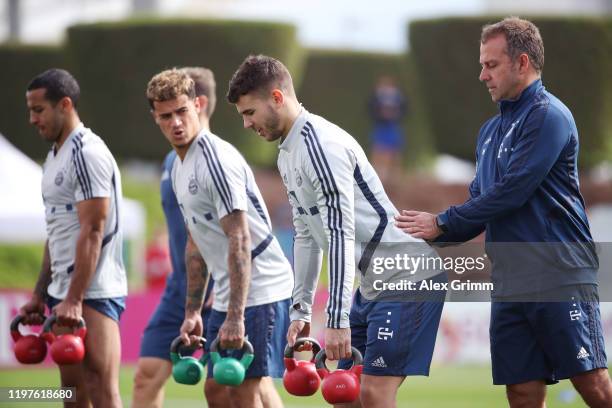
point(526, 191)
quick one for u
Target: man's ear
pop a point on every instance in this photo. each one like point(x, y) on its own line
point(278, 97)
point(66, 104)
point(524, 63)
point(154, 116)
point(203, 103)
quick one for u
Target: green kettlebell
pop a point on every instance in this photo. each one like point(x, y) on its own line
point(187, 370)
point(228, 370)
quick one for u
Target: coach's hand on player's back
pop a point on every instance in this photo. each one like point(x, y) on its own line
point(419, 224)
point(231, 333)
point(33, 311)
point(192, 328)
point(68, 312)
point(337, 343)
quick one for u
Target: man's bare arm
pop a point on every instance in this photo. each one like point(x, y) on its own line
point(36, 306)
point(197, 277)
point(44, 277)
point(236, 229)
point(92, 219)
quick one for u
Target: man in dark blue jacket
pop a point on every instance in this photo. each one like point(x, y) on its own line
point(526, 196)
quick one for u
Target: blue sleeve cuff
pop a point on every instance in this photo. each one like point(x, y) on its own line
point(444, 218)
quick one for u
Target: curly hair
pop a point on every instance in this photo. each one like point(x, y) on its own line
point(170, 84)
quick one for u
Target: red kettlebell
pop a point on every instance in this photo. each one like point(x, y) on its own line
point(301, 376)
point(340, 386)
point(65, 348)
point(29, 349)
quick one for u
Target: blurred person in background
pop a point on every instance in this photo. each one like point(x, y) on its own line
point(228, 231)
point(387, 106)
point(82, 274)
point(154, 366)
point(158, 263)
point(526, 190)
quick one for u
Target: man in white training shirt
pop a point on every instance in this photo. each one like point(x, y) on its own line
point(82, 275)
point(339, 205)
point(229, 234)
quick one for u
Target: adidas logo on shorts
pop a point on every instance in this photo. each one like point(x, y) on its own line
point(582, 354)
point(379, 362)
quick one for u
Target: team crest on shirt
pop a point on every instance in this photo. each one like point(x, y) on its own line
point(298, 178)
point(59, 178)
point(193, 186)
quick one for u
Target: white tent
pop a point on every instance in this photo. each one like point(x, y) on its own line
point(22, 214)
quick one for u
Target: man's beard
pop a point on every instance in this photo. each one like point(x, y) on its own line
point(272, 125)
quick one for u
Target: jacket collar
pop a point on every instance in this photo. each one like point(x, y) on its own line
point(526, 95)
point(294, 135)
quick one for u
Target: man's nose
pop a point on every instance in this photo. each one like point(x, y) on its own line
point(484, 75)
point(246, 123)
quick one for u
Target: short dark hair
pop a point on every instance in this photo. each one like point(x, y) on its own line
point(259, 73)
point(205, 85)
point(58, 84)
point(522, 36)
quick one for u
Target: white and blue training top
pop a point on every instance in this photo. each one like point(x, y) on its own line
point(212, 181)
point(82, 169)
point(339, 205)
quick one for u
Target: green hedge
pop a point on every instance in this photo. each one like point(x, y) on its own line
point(577, 70)
point(114, 62)
point(338, 83)
point(19, 65)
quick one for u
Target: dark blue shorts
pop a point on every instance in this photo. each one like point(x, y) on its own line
point(163, 327)
point(547, 341)
point(111, 307)
point(394, 338)
point(266, 328)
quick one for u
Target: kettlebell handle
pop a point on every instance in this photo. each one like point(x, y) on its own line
point(316, 347)
point(247, 347)
point(19, 319)
point(321, 357)
point(53, 318)
point(177, 342)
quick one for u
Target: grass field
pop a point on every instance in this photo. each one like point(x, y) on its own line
point(448, 386)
